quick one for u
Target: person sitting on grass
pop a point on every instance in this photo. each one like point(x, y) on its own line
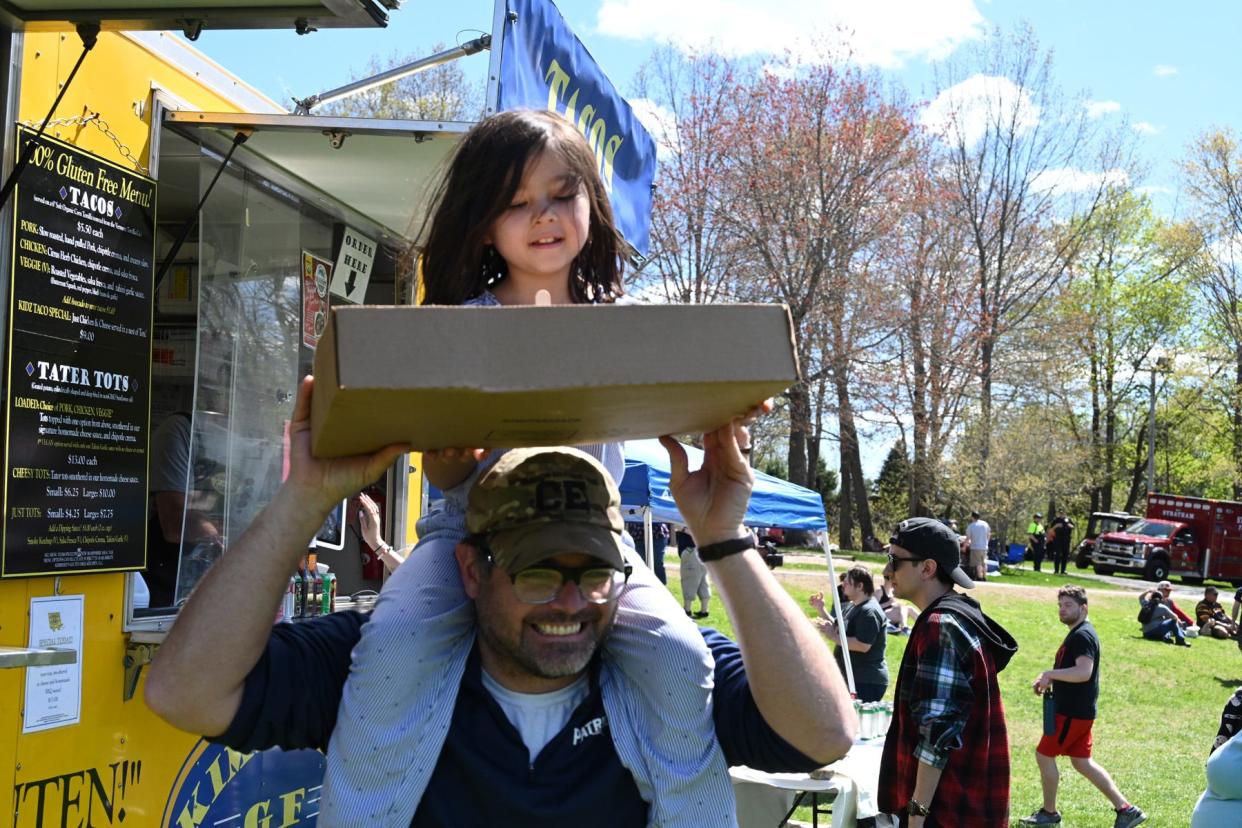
point(1212, 618)
point(1159, 622)
point(1165, 588)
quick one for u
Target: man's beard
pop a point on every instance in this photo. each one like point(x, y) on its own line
point(538, 656)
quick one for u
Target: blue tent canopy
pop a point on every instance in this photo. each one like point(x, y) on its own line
point(774, 502)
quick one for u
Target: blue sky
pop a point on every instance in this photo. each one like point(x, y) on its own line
point(1166, 70)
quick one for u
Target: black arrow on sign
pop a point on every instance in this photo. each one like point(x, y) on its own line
point(350, 282)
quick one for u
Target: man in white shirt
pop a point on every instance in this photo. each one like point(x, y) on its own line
point(979, 533)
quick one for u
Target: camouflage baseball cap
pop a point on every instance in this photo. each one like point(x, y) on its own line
point(539, 502)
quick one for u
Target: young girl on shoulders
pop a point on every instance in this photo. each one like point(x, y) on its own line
point(521, 218)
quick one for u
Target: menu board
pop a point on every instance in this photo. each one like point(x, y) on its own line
point(77, 407)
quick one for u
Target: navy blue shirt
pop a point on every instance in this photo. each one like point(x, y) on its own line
point(484, 775)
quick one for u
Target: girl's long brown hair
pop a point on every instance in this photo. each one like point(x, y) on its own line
point(481, 181)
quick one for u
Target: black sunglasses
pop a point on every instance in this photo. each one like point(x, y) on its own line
point(895, 561)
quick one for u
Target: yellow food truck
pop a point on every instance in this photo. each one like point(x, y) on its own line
point(170, 244)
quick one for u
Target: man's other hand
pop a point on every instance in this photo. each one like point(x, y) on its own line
point(713, 499)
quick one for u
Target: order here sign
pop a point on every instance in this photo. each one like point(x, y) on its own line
point(353, 266)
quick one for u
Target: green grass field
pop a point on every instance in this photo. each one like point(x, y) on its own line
point(1159, 705)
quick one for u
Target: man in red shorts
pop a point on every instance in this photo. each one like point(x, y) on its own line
point(1074, 683)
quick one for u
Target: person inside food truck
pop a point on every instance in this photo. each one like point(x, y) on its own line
point(181, 507)
point(527, 742)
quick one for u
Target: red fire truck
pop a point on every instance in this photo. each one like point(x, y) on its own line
point(1192, 537)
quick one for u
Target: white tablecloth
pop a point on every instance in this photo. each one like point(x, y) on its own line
point(763, 798)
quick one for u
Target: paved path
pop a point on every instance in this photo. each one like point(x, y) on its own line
point(809, 577)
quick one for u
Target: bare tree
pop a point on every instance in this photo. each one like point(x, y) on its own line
point(693, 257)
point(1213, 174)
point(815, 150)
point(1017, 149)
point(441, 93)
point(927, 368)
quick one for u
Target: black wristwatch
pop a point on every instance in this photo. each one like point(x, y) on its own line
point(916, 808)
point(716, 551)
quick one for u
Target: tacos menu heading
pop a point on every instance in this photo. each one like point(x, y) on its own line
point(79, 344)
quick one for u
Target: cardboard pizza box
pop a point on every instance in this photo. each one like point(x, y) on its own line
point(437, 376)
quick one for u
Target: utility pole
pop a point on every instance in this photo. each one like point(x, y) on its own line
point(1151, 432)
point(1162, 365)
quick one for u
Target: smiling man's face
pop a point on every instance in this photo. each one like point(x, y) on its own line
point(536, 648)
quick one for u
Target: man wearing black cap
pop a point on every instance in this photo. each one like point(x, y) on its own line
point(946, 756)
point(528, 743)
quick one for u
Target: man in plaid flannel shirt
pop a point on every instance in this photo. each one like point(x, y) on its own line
point(946, 756)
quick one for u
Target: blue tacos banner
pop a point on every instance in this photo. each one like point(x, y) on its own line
point(543, 65)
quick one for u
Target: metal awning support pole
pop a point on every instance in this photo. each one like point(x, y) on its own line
point(648, 554)
point(89, 32)
point(836, 608)
point(500, 15)
point(305, 105)
point(239, 138)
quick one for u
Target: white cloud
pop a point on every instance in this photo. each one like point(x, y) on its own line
point(1070, 180)
point(1097, 109)
point(1154, 189)
point(1145, 128)
point(661, 123)
point(969, 107)
point(1164, 70)
point(880, 33)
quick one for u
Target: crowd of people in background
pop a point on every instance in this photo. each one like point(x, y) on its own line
point(947, 712)
point(979, 543)
point(931, 557)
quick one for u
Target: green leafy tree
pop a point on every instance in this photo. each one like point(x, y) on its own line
point(1041, 456)
point(1128, 296)
point(891, 500)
